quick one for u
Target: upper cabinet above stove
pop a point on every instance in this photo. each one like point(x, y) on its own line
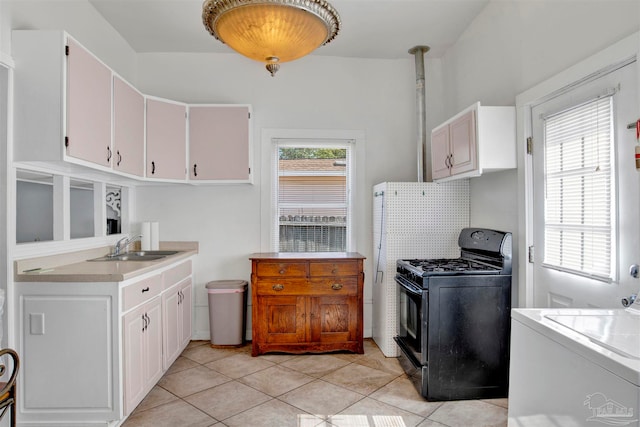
point(477, 140)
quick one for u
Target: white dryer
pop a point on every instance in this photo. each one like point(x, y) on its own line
point(575, 367)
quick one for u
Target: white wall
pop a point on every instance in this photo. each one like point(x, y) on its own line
point(77, 17)
point(376, 96)
point(510, 47)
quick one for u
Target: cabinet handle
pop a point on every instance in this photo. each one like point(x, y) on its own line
point(144, 323)
point(282, 271)
point(145, 290)
point(108, 154)
point(179, 297)
point(451, 160)
point(336, 286)
point(334, 271)
point(277, 287)
point(153, 168)
point(195, 169)
point(119, 158)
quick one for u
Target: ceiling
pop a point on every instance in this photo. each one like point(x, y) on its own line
point(384, 29)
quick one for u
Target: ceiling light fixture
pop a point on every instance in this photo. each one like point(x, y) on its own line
point(271, 31)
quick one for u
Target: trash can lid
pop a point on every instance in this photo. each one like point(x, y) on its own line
point(237, 285)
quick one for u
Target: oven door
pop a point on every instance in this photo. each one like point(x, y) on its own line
point(412, 315)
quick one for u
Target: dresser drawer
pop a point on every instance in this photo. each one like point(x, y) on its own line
point(282, 287)
point(336, 286)
point(337, 268)
point(281, 269)
point(139, 292)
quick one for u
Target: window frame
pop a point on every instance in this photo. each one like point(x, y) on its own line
point(269, 137)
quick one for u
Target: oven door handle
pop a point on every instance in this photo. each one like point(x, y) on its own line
point(408, 286)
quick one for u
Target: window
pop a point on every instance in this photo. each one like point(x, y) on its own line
point(312, 195)
point(579, 188)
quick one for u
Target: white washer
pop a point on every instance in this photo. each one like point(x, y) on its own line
point(575, 367)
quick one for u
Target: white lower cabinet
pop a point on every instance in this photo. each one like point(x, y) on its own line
point(176, 304)
point(92, 351)
point(142, 350)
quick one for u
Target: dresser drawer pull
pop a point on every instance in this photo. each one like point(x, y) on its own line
point(334, 271)
point(277, 287)
point(282, 271)
point(145, 290)
point(336, 286)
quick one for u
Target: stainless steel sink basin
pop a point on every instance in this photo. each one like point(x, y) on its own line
point(136, 256)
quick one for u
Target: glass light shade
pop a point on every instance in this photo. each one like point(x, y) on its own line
point(271, 31)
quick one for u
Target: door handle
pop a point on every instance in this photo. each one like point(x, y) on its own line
point(633, 271)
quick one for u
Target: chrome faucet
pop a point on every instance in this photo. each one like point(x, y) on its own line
point(123, 244)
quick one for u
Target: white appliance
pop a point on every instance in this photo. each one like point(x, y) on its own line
point(411, 220)
point(575, 367)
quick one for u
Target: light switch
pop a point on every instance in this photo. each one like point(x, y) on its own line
point(36, 323)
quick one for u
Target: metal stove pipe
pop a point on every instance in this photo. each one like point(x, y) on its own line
point(418, 52)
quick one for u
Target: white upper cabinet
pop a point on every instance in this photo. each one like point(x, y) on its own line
point(71, 109)
point(128, 128)
point(219, 148)
point(63, 101)
point(477, 140)
point(88, 106)
point(166, 139)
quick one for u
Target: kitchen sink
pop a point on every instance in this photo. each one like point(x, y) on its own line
point(136, 256)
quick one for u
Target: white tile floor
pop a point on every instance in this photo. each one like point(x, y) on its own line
point(227, 387)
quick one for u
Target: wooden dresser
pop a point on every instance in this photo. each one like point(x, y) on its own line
point(307, 302)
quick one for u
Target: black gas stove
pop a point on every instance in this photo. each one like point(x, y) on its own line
point(482, 251)
point(453, 318)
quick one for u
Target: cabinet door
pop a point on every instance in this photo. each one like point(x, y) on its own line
point(334, 319)
point(128, 128)
point(88, 107)
point(166, 139)
point(153, 343)
point(185, 314)
point(219, 143)
point(463, 143)
point(281, 320)
point(171, 333)
point(133, 351)
point(440, 153)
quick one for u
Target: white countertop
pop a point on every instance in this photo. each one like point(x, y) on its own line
point(74, 267)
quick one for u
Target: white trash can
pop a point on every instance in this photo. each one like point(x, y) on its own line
point(227, 312)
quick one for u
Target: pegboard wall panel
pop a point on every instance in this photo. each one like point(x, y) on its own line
point(411, 220)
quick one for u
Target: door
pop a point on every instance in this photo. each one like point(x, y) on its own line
point(282, 320)
point(219, 143)
point(588, 285)
point(128, 128)
point(166, 139)
point(463, 144)
point(88, 107)
point(440, 152)
point(133, 351)
point(170, 317)
point(334, 319)
point(185, 313)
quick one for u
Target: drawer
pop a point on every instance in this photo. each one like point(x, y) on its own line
point(176, 274)
point(282, 287)
point(282, 269)
point(348, 286)
point(140, 292)
point(334, 268)
point(335, 286)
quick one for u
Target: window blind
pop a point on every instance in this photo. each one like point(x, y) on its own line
point(311, 192)
point(578, 189)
